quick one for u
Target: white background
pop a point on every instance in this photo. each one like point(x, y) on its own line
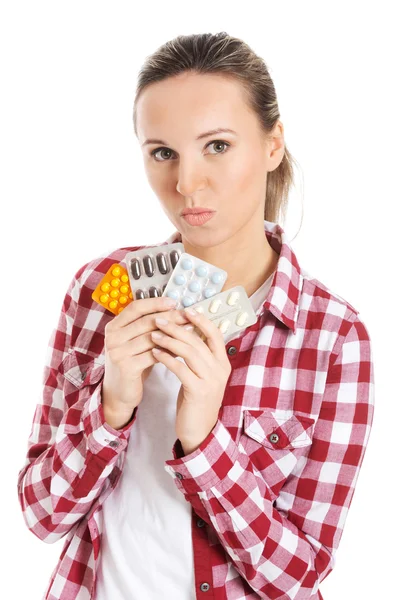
point(73, 187)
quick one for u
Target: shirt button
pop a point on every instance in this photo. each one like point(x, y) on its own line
point(205, 587)
point(232, 350)
point(200, 523)
point(179, 475)
point(274, 437)
point(114, 443)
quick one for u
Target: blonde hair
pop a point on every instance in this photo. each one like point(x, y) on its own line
point(232, 57)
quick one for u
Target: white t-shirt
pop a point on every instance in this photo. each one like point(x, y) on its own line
point(146, 549)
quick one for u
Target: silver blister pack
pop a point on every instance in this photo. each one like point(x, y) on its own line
point(230, 310)
point(194, 280)
point(150, 269)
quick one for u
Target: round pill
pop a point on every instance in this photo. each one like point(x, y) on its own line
point(116, 272)
point(201, 271)
point(179, 279)
point(173, 294)
point(105, 287)
point(241, 319)
point(121, 308)
point(224, 325)
point(187, 301)
point(115, 282)
point(130, 295)
point(214, 306)
point(187, 264)
point(217, 277)
point(194, 286)
point(124, 289)
point(123, 300)
point(104, 298)
point(113, 304)
point(208, 292)
point(114, 293)
point(232, 298)
point(124, 278)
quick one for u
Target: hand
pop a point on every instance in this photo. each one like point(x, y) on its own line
point(128, 356)
point(204, 375)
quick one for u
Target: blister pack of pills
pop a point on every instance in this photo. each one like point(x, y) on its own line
point(150, 269)
point(194, 280)
point(114, 292)
point(230, 310)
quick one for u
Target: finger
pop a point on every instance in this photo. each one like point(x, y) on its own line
point(188, 337)
point(182, 371)
point(193, 358)
point(214, 337)
point(139, 308)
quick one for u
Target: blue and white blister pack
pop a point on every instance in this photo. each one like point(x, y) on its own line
point(194, 280)
point(150, 269)
point(230, 310)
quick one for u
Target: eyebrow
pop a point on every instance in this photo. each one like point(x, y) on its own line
point(199, 137)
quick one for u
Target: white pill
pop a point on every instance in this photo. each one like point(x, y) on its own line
point(199, 309)
point(214, 306)
point(224, 325)
point(241, 318)
point(232, 298)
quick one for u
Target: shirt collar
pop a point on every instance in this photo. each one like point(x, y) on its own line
point(284, 294)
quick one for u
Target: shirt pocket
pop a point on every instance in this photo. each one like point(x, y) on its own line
point(80, 369)
point(277, 443)
point(278, 430)
point(80, 373)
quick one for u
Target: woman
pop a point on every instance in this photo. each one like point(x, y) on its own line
point(234, 476)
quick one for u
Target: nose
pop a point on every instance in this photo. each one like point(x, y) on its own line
point(190, 179)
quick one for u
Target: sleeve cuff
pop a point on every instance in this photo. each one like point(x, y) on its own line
point(207, 465)
point(102, 439)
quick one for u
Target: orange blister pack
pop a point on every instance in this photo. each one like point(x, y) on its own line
point(114, 292)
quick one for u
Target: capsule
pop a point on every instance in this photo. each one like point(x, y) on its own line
point(135, 268)
point(140, 295)
point(154, 292)
point(241, 319)
point(162, 263)
point(214, 306)
point(163, 287)
point(148, 266)
point(174, 256)
point(232, 298)
point(224, 325)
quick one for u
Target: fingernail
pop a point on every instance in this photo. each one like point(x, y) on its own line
point(188, 327)
point(170, 302)
point(160, 321)
point(192, 312)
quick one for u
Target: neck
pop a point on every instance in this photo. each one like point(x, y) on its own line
point(247, 257)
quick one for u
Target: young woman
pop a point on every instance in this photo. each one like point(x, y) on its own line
point(183, 467)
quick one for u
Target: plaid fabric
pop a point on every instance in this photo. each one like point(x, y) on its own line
point(271, 485)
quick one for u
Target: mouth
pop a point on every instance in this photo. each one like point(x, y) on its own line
point(198, 218)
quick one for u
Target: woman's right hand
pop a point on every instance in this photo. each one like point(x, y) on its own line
point(128, 356)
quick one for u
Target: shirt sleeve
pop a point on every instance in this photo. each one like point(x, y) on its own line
point(71, 449)
point(286, 547)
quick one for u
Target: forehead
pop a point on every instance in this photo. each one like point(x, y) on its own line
point(198, 99)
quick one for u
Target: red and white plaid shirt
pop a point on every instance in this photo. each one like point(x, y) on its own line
point(271, 485)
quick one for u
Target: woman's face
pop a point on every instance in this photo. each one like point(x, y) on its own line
point(225, 171)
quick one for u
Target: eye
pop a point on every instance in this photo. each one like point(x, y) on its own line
point(168, 150)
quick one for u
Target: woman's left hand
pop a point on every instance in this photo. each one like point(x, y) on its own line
point(204, 376)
